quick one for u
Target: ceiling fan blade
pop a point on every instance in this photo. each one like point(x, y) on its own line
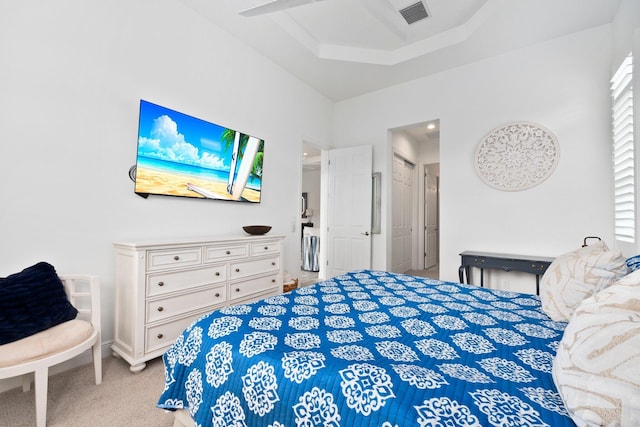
point(274, 6)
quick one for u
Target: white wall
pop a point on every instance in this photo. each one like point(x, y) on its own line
point(626, 31)
point(72, 75)
point(563, 85)
point(73, 72)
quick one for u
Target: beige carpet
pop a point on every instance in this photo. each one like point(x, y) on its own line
point(431, 273)
point(123, 398)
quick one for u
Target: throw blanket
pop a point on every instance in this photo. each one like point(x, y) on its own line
point(370, 348)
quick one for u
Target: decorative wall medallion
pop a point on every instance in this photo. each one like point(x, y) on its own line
point(517, 156)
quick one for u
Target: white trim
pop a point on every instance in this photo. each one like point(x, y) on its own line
point(623, 157)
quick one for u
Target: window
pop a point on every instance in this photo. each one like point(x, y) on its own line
point(623, 152)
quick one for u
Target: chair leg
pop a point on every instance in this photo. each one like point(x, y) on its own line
point(97, 362)
point(26, 382)
point(41, 385)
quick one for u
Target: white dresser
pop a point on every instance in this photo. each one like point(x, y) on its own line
point(162, 287)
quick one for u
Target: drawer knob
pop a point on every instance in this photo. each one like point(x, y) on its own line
point(217, 295)
point(237, 289)
point(237, 270)
point(266, 248)
point(273, 263)
point(161, 308)
point(160, 336)
point(273, 280)
point(160, 283)
point(228, 252)
point(176, 257)
point(217, 273)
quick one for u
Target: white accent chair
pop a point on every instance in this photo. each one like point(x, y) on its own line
point(36, 353)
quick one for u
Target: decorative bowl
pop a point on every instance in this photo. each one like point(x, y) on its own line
point(257, 229)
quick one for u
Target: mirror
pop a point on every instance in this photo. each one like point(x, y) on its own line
point(376, 202)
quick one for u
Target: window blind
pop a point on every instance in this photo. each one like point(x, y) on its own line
point(623, 152)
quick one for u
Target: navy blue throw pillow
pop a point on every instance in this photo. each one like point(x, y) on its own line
point(32, 301)
point(633, 263)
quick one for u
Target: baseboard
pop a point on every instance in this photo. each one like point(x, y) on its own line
point(82, 359)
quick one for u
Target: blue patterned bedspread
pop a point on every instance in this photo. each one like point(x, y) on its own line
point(370, 348)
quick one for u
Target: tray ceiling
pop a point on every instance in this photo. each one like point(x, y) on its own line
point(344, 48)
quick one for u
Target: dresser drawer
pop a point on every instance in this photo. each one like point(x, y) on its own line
point(265, 248)
point(241, 290)
point(223, 253)
point(176, 305)
point(183, 257)
point(161, 336)
point(163, 283)
point(249, 268)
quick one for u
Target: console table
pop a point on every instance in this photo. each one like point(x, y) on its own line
point(506, 262)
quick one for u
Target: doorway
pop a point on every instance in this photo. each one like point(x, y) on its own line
point(431, 216)
point(337, 210)
point(310, 213)
point(418, 145)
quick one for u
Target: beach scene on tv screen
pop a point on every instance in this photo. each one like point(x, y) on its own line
point(180, 155)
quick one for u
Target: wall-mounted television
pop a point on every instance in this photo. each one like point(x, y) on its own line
point(180, 155)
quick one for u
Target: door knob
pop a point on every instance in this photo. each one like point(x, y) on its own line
point(366, 233)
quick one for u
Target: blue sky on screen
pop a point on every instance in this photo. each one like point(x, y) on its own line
point(173, 136)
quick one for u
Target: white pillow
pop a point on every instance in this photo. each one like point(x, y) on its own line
point(577, 275)
point(597, 366)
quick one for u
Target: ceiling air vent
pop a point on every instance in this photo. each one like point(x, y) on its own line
point(414, 12)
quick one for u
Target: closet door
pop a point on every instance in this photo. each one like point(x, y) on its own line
point(403, 172)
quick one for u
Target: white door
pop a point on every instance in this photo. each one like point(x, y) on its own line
point(349, 210)
point(402, 214)
point(431, 217)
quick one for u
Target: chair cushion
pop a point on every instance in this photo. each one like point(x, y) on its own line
point(51, 341)
point(31, 301)
point(575, 276)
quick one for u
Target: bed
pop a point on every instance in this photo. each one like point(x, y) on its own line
point(370, 348)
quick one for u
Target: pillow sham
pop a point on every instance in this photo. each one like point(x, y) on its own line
point(31, 301)
point(633, 263)
point(577, 275)
point(597, 366)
